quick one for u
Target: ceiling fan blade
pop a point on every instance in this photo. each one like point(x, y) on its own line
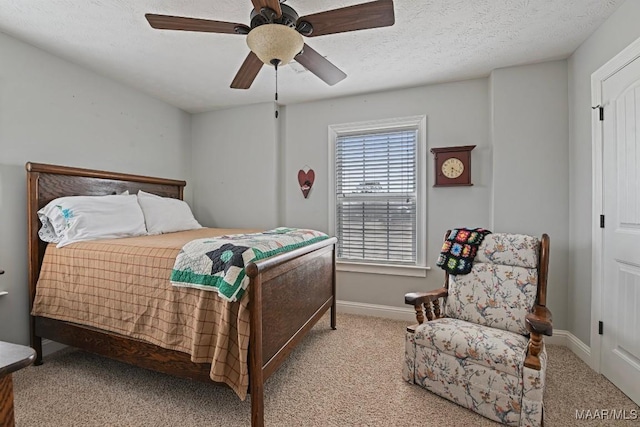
point(320, 66)
point(271, 4)
point(167, 22)
point(247, 72)
point(358, 17)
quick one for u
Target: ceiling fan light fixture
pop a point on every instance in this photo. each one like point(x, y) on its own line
point(275, 41)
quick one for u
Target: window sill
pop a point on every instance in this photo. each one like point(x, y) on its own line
point(392, 270)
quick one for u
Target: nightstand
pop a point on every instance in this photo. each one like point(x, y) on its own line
point(12, 358)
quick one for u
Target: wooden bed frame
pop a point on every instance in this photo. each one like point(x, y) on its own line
point(288, 293)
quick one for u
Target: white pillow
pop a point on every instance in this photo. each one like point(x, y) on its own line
point(47, 232)
point(80, 218)
point(166, 215)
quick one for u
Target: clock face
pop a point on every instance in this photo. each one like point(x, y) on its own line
point(452, 168)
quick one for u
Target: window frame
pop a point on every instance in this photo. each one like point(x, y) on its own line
point(418, 123)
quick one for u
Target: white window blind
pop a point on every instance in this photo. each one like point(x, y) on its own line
point(376, 196)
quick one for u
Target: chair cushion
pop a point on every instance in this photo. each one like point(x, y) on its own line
point(501, 350)
point(493, 295)
point(519, 250)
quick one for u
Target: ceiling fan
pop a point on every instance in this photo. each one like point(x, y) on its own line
point(275, 34)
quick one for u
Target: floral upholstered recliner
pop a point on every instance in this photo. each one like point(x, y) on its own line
point(484, 349)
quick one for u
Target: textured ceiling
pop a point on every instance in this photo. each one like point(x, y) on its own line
point(431, 41)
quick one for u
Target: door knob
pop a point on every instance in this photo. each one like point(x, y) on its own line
point(2, 293)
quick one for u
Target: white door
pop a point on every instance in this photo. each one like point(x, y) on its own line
point(620, 350)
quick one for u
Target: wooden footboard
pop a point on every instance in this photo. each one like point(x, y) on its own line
point(288, 293)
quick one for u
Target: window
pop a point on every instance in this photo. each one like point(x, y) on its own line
point(378, 191)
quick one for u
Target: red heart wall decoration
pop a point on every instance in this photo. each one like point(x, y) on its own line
point(305, 179)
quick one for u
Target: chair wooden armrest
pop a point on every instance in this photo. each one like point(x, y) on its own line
point(539, 323)
point(426, 300)
point(414, 298)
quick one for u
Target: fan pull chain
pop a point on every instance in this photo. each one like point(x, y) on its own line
point(275, 63)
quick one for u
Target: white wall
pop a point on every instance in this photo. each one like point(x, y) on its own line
point(614, 35)
point(457, 114)
point(235, 167)
point(263, 155)
point(531, 163)
point(518, 122)
point(52, 111)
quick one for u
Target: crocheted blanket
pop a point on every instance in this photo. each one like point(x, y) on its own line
point(460, 248)
point(218, 263)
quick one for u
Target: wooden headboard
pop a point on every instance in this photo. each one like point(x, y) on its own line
point(48, 182)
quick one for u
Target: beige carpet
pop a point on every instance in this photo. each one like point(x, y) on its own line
point(347, 377)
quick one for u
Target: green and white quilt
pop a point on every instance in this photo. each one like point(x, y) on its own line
point(218, 263)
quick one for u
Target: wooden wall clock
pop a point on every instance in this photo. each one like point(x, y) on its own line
point(452, 166)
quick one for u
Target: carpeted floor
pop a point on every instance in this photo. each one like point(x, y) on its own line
point(347, 377)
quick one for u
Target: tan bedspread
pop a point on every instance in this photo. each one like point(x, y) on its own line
point(122, 285)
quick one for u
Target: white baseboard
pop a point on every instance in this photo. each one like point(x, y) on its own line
point(560, 337)
point(50, 347)
point(375, 310)
point(567, 339)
